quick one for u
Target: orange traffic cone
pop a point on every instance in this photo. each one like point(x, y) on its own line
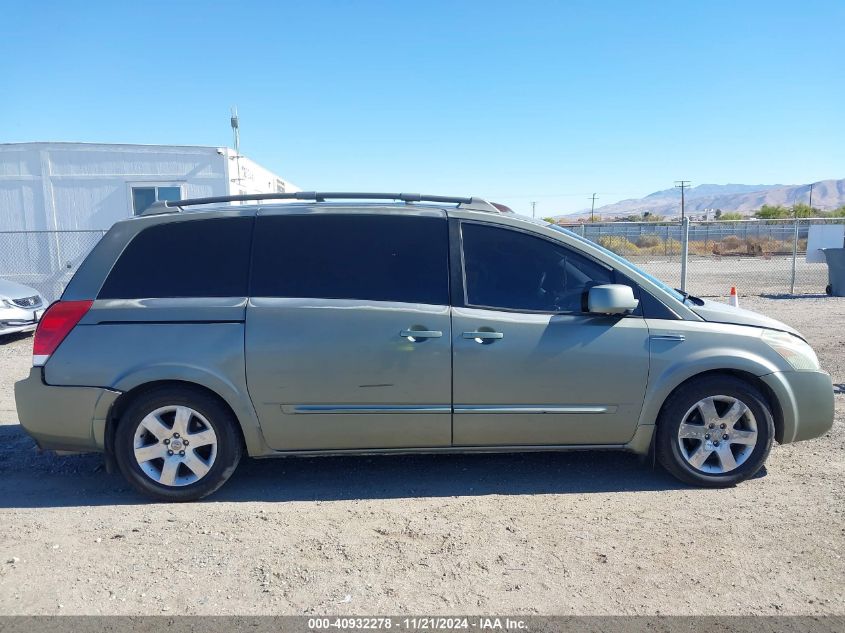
point(733, 299)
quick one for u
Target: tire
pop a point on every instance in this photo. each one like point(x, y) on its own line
point(205, 453)
point(698, 454)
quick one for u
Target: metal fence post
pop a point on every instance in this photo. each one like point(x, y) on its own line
point(794, 256)
point(684, 252)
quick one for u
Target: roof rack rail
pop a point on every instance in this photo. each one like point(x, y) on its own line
point(472, 204)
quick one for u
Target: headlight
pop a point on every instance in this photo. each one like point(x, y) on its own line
point(793, 350)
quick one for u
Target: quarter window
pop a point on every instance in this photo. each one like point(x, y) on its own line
point(368, 257)
point(511, 270)
point(143, 197)
point(194, 258)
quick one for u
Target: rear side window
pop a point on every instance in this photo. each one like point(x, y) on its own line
point(378, 258)
point(195, 258)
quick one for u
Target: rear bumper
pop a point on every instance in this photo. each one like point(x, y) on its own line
point(63, 418)
point(806, 401)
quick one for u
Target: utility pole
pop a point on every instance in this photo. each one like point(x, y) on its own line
point(682, 184)
point(593, 208)
point(811, 200)
point(533, 209)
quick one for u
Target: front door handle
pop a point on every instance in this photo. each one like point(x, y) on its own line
point(481, 336)
point(668, 337)
point(415, 335)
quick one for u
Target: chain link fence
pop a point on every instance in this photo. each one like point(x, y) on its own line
point(756, 256)
point(44, 260)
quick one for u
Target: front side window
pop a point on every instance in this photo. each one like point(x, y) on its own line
point(512, 270)
point(196, 258)
point(143, 197)
point(397, 258)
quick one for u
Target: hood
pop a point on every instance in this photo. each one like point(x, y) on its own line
point(14, 290)
point(718, 312)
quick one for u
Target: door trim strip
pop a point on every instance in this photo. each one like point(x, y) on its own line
point(442, 408)
point(365, 408)
point(471, 408)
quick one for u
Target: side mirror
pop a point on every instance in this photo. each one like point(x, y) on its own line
point(611, 299)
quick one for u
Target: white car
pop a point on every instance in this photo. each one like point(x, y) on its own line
point(20, 307)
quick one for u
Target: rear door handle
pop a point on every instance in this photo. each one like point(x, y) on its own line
point(413, 335)
point(483, 336)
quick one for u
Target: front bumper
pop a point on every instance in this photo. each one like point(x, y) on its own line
point(15, 320)
point(806, 402)
point(63, 418)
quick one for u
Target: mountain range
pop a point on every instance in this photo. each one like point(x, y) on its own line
point(827, 194)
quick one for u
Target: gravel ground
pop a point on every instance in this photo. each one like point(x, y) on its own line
point(575, 533)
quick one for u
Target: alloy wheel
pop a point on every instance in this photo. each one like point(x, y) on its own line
point(718, 434)
point(175, 445)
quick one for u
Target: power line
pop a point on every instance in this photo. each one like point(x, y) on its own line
point(593, 207)
point(682, 184)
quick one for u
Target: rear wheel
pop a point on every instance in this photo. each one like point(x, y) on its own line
point(177, 444)
point(715, 432)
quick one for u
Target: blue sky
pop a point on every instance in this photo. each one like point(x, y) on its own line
point(515, 101)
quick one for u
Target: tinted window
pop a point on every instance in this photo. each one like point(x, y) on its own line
point(196, 258)
point(381, 258)
point(513, 270)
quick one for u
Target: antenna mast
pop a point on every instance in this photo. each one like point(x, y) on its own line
point(236, 133)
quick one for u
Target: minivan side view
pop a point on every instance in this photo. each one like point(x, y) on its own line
point(397, 323)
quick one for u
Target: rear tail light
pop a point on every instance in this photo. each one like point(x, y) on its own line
point(56, 323)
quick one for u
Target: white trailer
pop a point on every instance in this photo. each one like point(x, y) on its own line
point(90, 186)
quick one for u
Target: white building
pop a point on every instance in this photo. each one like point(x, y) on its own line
point(84, 186)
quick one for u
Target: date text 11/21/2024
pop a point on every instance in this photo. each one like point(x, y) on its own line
point(422, 623)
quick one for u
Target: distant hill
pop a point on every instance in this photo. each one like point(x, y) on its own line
point(827, 194)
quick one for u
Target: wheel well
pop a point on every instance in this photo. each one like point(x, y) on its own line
point(126, 398)
point(751, 379)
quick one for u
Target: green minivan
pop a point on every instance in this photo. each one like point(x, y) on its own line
point(300, 325)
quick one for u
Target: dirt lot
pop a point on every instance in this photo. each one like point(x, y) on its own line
point(577, 533)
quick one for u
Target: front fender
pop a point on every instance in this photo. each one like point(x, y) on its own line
point(731, 349)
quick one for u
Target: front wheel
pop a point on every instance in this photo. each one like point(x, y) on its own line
point(177, 444)
point(715, 432)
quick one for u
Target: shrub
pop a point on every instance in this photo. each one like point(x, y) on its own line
point(619, 245)
point(649, 241)
point(730, 243)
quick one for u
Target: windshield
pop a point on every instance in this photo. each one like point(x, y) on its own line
point(677, 295)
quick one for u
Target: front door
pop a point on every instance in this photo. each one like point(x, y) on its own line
point(531, 367)
point(348, 330)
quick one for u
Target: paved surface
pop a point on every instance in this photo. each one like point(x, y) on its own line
point(585, 533)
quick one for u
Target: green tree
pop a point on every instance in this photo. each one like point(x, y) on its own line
point(730, 216)
point(718, 214)
point(802, 210)
point(773, 212)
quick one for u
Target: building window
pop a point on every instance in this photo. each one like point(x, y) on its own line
point(143, 197)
